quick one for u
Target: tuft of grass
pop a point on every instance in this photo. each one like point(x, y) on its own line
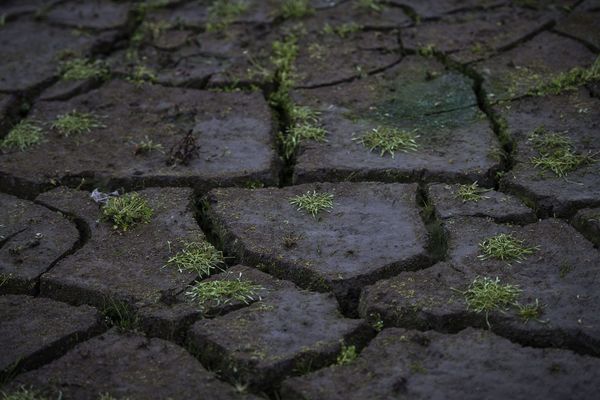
point(141, 75)
point(127, 211)
point(81, 68)
point(222, 13)
point(200, 257)
point(529, 312)
point(470, 192)
point(569, 81)
point(313, 203)
point(224, 292)
point(369, 5)
point(119, 314)
point(146, 146)
point(22, 393)
point(487, 294)
point(505, 247)
point(296, 9)
point(283, 55)
point(347, 354)
point(343, 30)
point(427, 51)
point(76, 123)
point(22, 136)
point(556, 153)
point(305, 125)
point(389, 140)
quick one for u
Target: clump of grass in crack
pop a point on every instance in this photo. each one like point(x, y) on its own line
point(81, 68)
point(569, 81)
point(141, 75)
point(304, 125)
point(389, 140)
point(222, 13)
point(471, 192)
point(223, 292)
point(505, 247)
point(347, 354)
point(343, 30)
point(313, 203)
point(127, 211)
point(283, 55)
point(486, 294)
point(148, 31)
point(556, 153)
point(200, 257)
point(22, 136)
point(296, 9)
point(76, 123)
point(529, 312)
point(119, 314)
point(23, 393)
point(369, 5)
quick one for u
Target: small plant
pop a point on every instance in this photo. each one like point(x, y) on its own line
point(76, 123)
point(486, 295)
point(223, 12)
point(147, 31)
point(22, 136)
point(296, 8)
point(389, 140)
point(200, 257)
point(427, 51)
point(313, 203)
point(505, 247)
point(81, 68)
point(470, 192)
point(141, 75)
point(343, 30)
point(369, 5)
point(22, 394)
point(121, 315)
point(347, 354)
point(146, 146)
point(569, 81)
point(184, 151)
point(530, 311)
point(224, 292)
point(127, 210)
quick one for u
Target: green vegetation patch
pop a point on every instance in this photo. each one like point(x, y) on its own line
point(81, 68)
point(313, 203)
point(487, 294)
point(505, 247)
point(22, 136)
point(389, 140)
point(222, 13)
point(119, 314)
point(530, 312)
point(223, 292)
point(343, 30)
point(127, 211)
point(471, 192)
point(22, 394)
point(369, 5)
point(347, 355)
point(304, 125)
point(76, 123)
point(569, 81)
point(142, 74)
point(200, 257)
point(296, 8)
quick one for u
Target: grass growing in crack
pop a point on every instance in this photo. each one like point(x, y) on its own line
point(121, 315)
point(486, 294)
point(283, 55)
point(81, 68)
point(22, 136)
point(347, 354)
point(296, 9)
point(505, 247)
point(22, 393)
point(389, 140)
point(222, 13)
point(529, 312)
point(141, 75)
point(556, 153)
point(305, 125)
point(127, 211)
point(369, 5)
point(343, 30)
point(76, 123)
point(569, 81)
point(313, 203)
point(200, 257)
point(223, 292)
point(471, 192)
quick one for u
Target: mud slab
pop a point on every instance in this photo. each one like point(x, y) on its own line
point(226, 127)
point(436, 8)
point(289, 332)
point(372, 231)
point(127, 269)
point(454, 140)
point(575, 117)
point(587, 221)
point(559, 277)
point(96, 15)
point(472, 364)
point(32, 239)
point(140, 368)
point(582, 26)
point(496, 205)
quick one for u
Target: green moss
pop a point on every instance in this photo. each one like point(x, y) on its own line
point(471, 192)
point(127, 211)
point(569, 81)
point(76, 123)
point(80, 68)
point(200, 257)
point(223, 292)
point(22, 136)
point(296, 8)
point(313, 203)
point(486, 294)
point(222, 13)
point(389, 140)
point(347, 355)
point(505, 247)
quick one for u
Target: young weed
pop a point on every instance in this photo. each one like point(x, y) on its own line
point(81, 68)
point(141, 75)
point(200, 257)
point(505, 247)
point(569, 81)
point(470, 192)
point(369, 5)
point(529, 312)
point(223, 12)
point(296, 9)
point(343, 30)
point(427, 51)
point(22, 136)
point(224, 292)
point(389, 140)
point(127, 211)
point(313, 203)
point(146, 146)
point(347, 354)
point(76, 123)
point(487, 294)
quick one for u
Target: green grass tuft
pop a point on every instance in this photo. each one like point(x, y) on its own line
point(80, 68)
point(313, 203)
point(343, 30)
point(471, 192)
point(127, 211)
point(119, 314)
point(222, 13)
point(347, 355)
point(487, 294)
point(76, 123)
point(296, 8)
point(223, 292)
point(22, 394)
point(569, 81)
point(505, 247)
point(200, 257)
point(529, 312)
point(22, 136)
point(389, 140)
point(369, 5)
point(146, 146)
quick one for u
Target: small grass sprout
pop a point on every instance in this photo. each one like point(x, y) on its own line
point(146, 146)
point(485, 294)
point(296, 8)
point(200, 257)
point(142, 74)
point(223, 292)
point(343, 30)
point(369, 5)
point(347, 354)
point(529, 312)
point(76, 123)
point(313, 203)
point(471, 192)
point(127, 211)
point(389, 140)
point(569, 81)
point(81, 68)
point(22, 136)
point(505, 247)
point(222, 13)
point(22, 393)
point(121, 315)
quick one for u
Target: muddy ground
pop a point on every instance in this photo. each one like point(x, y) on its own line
point(321, 184)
